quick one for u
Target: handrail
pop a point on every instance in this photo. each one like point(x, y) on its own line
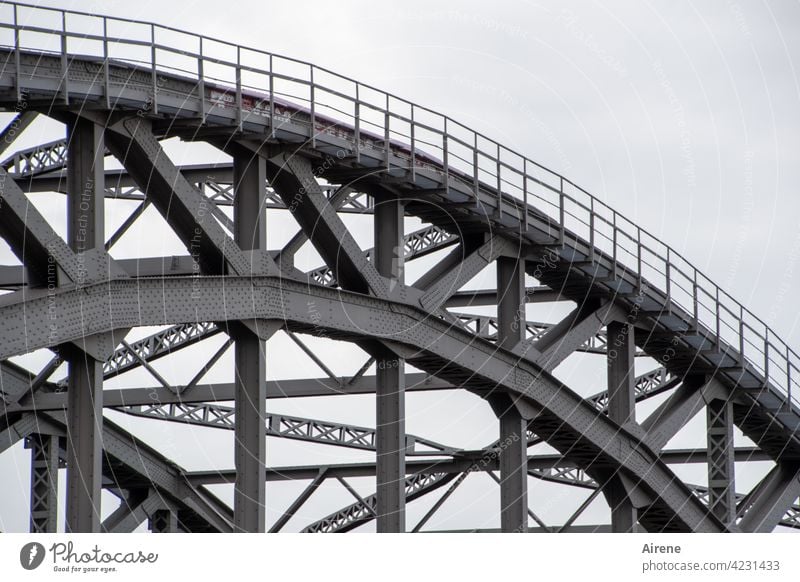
point(481, 161)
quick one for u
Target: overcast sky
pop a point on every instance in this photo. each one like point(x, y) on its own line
point(684, 116)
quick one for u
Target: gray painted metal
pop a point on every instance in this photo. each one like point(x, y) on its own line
point(487, 365)
point(721, 478)
point(250, 233)
point(44, 483)
point(622, 410)
point(390, 397)
point(85, 228)
point(284, 426)
point(766, 505)
point(682, 319)
point(513, 443)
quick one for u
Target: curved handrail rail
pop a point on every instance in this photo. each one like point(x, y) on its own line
point(463, 155)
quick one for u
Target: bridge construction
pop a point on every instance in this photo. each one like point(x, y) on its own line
point(321, 150)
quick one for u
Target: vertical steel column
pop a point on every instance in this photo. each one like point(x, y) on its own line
point(513, 457)
point(621, 409)
point(85, 230)
point(44, 483)
point(721, 489)
point(390, 388)
point(250, 233)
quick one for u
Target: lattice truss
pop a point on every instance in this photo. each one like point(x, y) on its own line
point(332, 155)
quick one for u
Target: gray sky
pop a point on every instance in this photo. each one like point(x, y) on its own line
point(682, 115)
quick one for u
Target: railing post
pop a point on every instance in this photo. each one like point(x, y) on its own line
point(716, 291)
point(639, 259)
point(386, 121)
point(239, 116)
point(525, 194)
point(475, 177)
point(561, 212)
point(614, 244)
point(357, 123)
point(312, 95)
point(766, 355)
point(64, 61)
point(499, 212)
point(741, 335)
point(17, 60)
point(445, 159)
point(201, 84)
point(668, 277)
point(106, 75)
point(413, 147)
point(271, 98)
point(788, 379)
point(591, 230)
point(153, 75)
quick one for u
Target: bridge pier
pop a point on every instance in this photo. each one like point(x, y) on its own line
point(85, 231)
point(622, 410)
point(513, 456)
point(390, 388)
point(250, 233)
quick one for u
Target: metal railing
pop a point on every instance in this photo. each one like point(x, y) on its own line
point(258, 83)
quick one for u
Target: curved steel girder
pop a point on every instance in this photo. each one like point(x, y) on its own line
point(566, 421)
point(576, 435)
point(579, 266)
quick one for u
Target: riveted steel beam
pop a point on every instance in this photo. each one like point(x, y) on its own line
point(449, 352)
point(771, 499)
point(461, 265)
point(250, 233)
point(513, 443)
point(133, 512)
point(185, 208)
point(85, 231)
point(622, 410)
point(294, 180)
point(390, 381)
point(673, 414)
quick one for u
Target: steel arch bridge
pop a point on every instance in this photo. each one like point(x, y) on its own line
point(314, 146)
